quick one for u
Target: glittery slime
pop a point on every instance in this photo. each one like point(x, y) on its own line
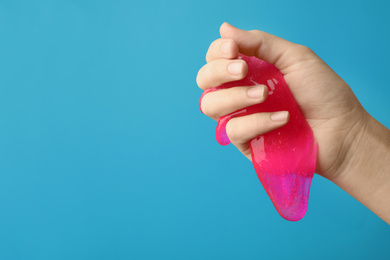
point(284, 159)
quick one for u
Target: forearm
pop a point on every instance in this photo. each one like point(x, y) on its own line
point(366, 176)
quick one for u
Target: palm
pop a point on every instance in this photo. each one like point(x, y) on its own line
point(328, 105)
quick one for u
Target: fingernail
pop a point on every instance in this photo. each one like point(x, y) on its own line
point(225, 47)
point(279, 116)
point(235, 68)
point(256, 92)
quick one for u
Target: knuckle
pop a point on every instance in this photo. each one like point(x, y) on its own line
point(198, 80)
point(215, 69)
point(253, 124)
point(256, 121)
point(206, 109)
point(304, 51)
point(202, 77)
point(241, 130)
point(212, 49)
point(208, 56)
point(233, 130)
point(302, 48)
point(237, 97)
point(232, 94)
point(217, 72)
point(258, 33)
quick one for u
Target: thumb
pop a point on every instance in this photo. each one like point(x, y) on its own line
point(265, 46)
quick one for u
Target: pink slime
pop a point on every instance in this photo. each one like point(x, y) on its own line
point(284, 159)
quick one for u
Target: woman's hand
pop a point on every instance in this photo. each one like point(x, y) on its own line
point(327, 102)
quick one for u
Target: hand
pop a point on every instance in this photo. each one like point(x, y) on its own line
point(327, 102)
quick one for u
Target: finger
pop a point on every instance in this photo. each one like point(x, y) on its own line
point(222, 49)
point(270, 48)
point(225, 101)
point(220, 71)
point(241, 130)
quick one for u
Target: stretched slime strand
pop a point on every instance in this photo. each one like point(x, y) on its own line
point(284, 159)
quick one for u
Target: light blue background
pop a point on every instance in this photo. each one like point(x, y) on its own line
point(105, 155)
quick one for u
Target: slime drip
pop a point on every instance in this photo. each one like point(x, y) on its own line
point(284, 159)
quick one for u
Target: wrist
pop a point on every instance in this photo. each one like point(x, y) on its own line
point(365, 174)
point(363, 145)
point(354, 141)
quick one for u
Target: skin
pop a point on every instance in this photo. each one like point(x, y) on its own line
point(354, 148)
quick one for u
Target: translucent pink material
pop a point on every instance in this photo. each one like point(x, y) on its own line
point(284, 159)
